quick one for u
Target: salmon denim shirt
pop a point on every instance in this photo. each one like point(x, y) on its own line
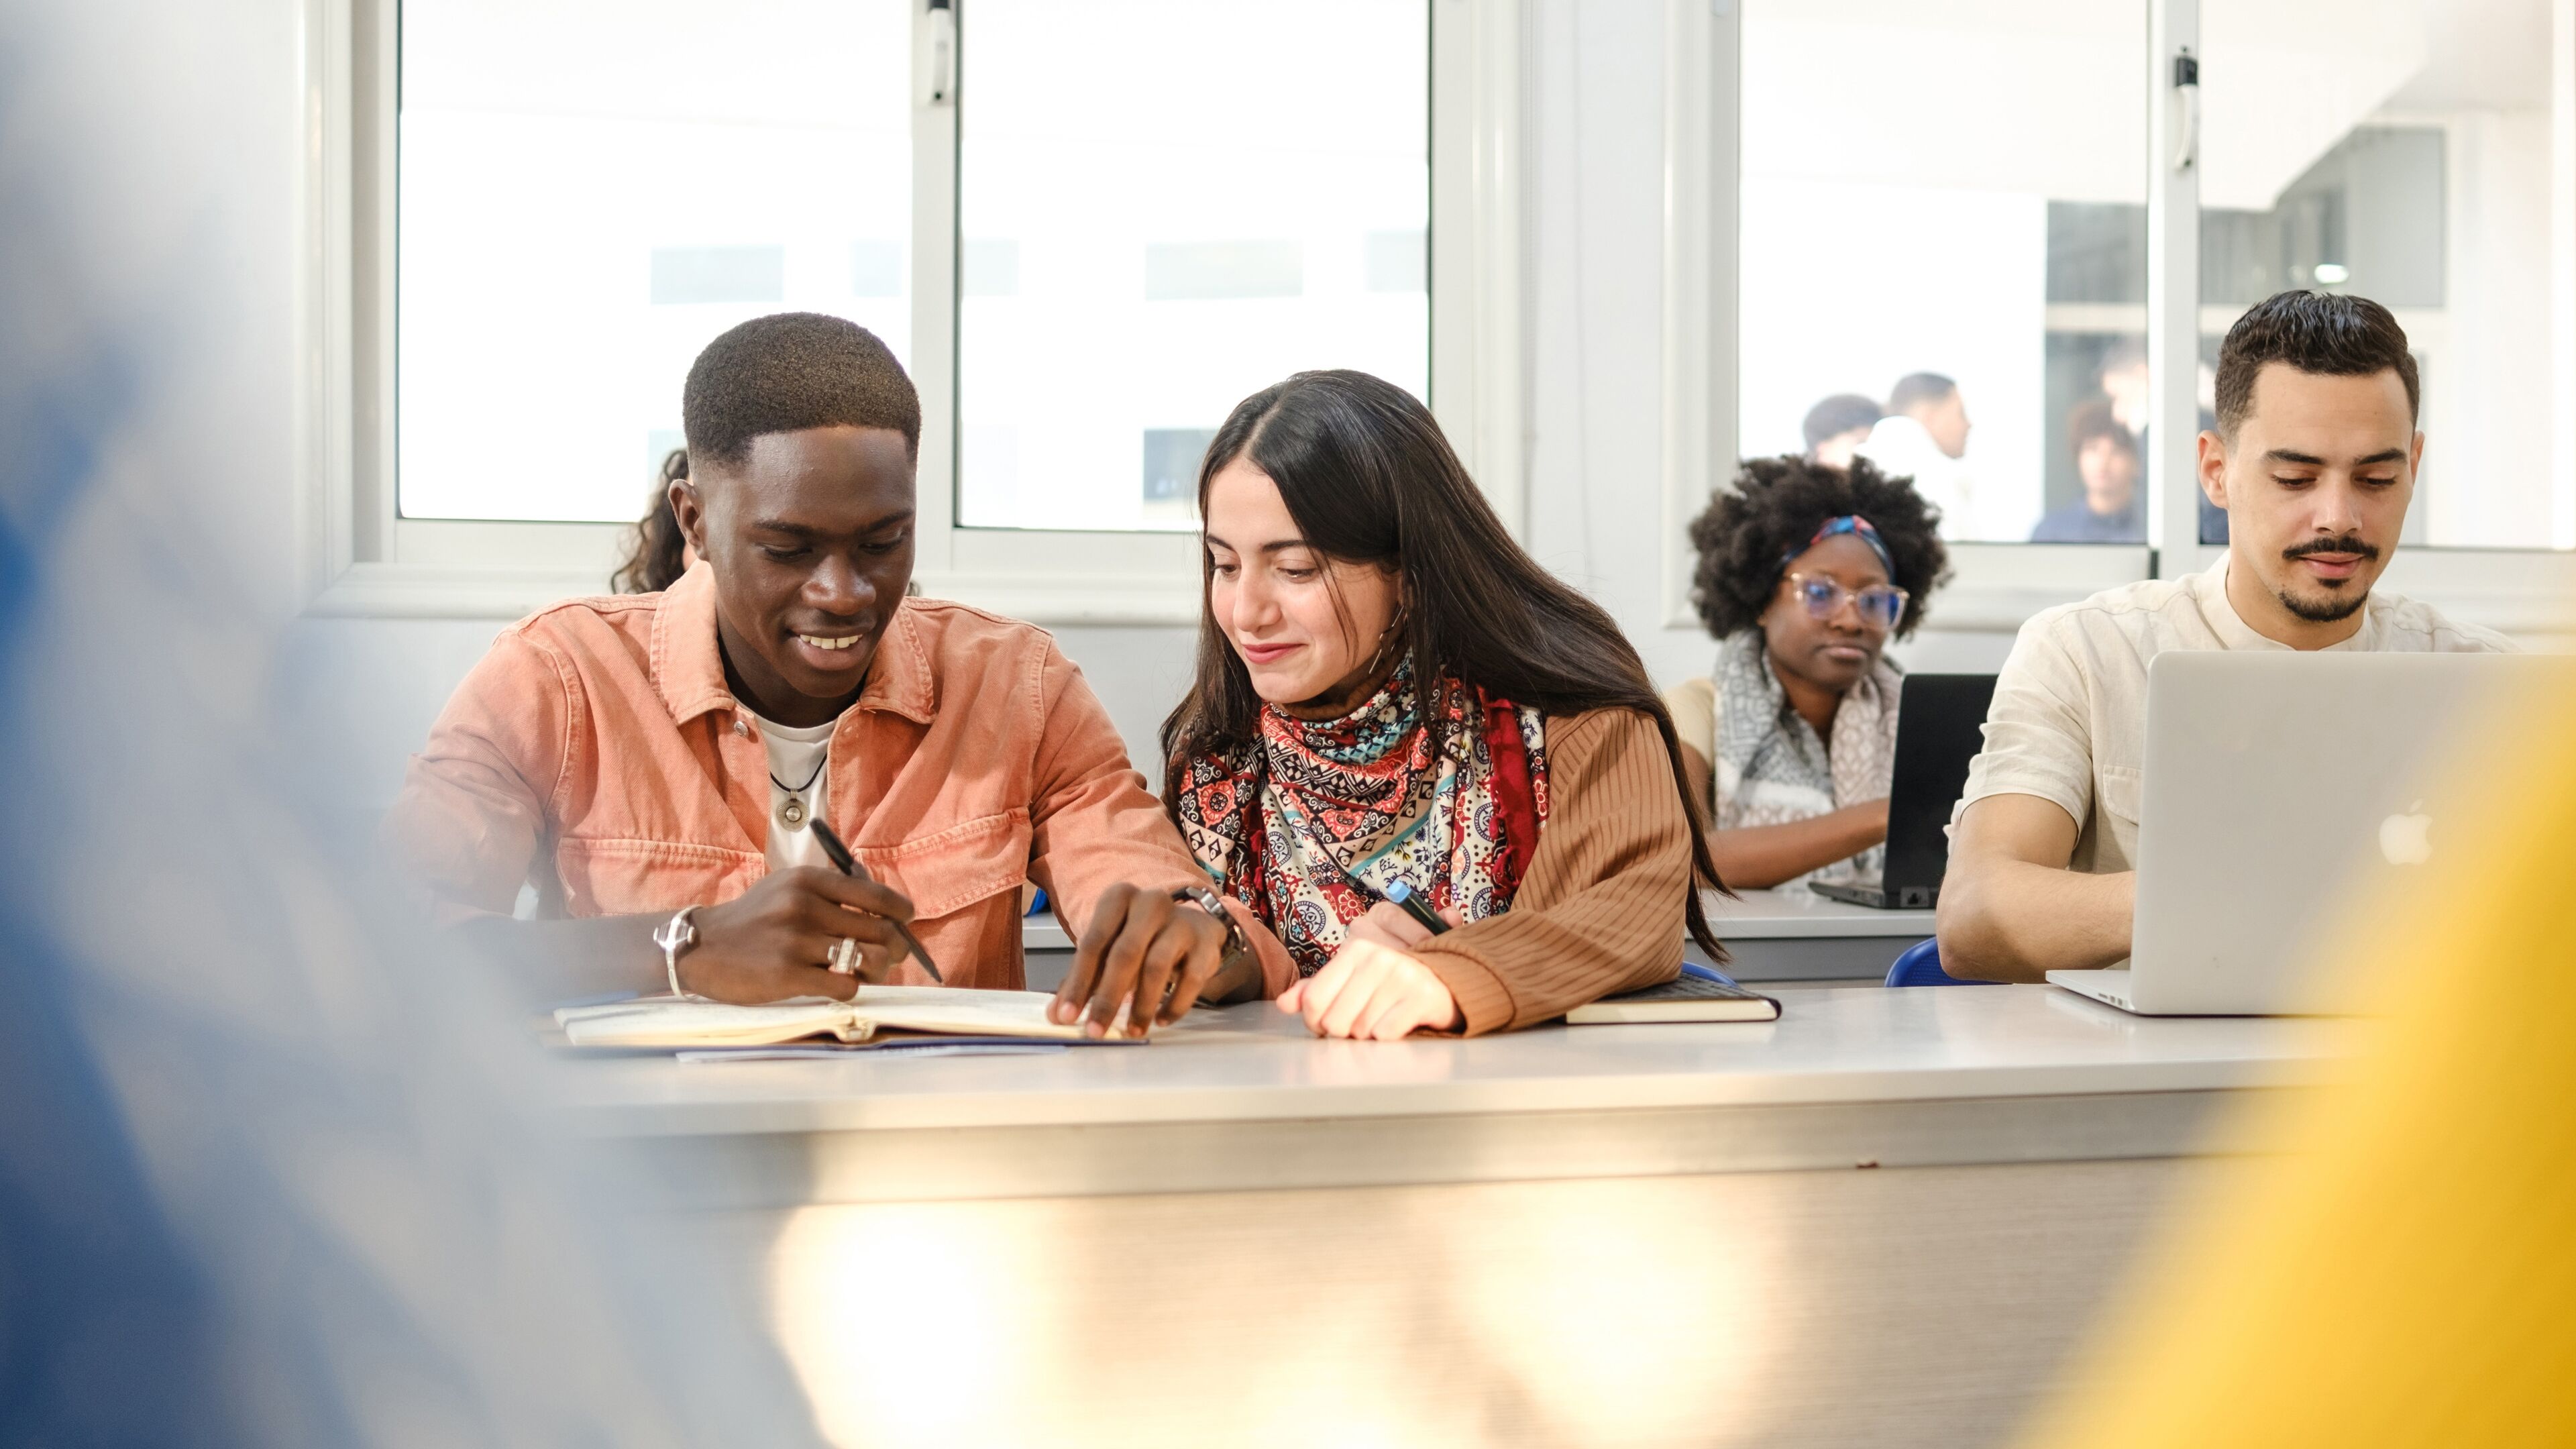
point(597, 753)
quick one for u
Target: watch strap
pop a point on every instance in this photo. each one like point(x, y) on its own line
point(677, 935)
point(1236, 943)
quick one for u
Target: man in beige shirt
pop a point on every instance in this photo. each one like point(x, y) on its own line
point(2314, 460)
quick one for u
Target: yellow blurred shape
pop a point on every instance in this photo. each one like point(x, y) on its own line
point(2411, 1277)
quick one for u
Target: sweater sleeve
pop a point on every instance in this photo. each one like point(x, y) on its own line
point(1602, 909)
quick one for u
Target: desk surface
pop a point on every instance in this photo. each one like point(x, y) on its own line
point(1252, 1063)
point(1771, 916)
point(1752, 916)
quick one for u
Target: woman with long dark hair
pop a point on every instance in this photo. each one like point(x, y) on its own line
point(1390, 692)
point(657, 555)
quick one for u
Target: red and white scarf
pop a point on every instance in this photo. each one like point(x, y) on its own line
point(1310, 823)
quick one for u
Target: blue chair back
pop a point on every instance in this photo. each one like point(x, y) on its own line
point(1920, 965)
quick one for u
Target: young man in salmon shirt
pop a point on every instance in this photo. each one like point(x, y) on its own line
point(654, 763)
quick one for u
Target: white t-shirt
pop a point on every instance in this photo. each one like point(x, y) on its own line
point(1903, 448)
point(798, 758)
point(2069, 721)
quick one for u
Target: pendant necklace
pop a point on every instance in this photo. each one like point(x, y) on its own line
point(791, 811)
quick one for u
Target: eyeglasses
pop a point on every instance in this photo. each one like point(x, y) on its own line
point(1880, 605)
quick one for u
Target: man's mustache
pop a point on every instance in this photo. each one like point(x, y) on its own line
point(2350, 543)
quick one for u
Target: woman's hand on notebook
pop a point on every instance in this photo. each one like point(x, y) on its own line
point(1141, 950)
point(774, 941)
point(1375, 988)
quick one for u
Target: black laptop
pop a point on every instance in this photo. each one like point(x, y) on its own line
point(1940, 725)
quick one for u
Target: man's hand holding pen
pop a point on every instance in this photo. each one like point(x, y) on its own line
point(780, 938)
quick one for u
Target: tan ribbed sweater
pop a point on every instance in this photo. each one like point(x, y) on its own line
point(1601, 911)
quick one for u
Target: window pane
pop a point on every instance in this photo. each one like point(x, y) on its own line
point(590, 192)
point(1165, 206)
point(1944, 220)
point(2401, 151)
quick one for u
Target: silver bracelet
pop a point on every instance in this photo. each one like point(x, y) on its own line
point(679, 935)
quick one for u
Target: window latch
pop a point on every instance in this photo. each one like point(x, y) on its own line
point(2186, 85)
point(943, 52)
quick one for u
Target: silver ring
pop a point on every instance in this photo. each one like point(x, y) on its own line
point(845, 956)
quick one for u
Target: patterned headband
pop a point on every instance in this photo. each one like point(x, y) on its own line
point(1855, 525)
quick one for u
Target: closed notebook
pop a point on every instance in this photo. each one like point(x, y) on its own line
point(1688, 998)
point(949, 1010)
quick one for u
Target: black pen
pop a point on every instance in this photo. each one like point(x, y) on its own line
point(848, 865)
point(1402, 894)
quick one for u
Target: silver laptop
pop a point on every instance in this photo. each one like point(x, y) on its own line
point(2280, 788)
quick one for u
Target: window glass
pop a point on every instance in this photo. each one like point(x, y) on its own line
point(2401, 151)
point(1942, 218)
point(590, 192)
point(1165, 205)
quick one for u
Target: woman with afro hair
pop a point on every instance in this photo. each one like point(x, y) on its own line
point(1805, 572)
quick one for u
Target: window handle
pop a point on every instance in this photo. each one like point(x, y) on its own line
point(2186, 84)
point(943, 52)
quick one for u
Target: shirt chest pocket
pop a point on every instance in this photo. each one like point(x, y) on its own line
point(957, 867)
point(2122, 789)
point(624, 877)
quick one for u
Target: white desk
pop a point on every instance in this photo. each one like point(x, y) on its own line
point(1867, 1076)
point(1775, 937)
point(1769, 936)
point(1595, 1235)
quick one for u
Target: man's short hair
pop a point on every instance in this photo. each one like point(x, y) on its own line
point(2096, 420)
point(791, 371)
point(1917, 389)
point(2315, 332)
point(1844, 412)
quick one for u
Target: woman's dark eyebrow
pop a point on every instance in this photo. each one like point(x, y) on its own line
point(1275, 547)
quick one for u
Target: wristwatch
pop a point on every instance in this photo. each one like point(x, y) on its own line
point(1236, 943)
point(677, 935)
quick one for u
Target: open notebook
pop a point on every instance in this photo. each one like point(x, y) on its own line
point(669, 1022)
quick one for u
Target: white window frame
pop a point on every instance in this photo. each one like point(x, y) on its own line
point(359, 557)
point(2526, 592)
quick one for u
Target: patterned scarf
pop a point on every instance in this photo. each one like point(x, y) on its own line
point(1314, 820)
point(1771, 769)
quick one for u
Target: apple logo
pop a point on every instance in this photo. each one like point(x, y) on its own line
point(2407, 839)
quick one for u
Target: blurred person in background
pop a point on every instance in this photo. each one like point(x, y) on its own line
point(658, 553)
point(2106, 460)
point(652, 764)
point(2124, 383)
point(2314, 458)
point(2122, 377)
point(1390, 690)
point(1924, 437)
point(277, 1169)
point(1805, 573)
point(1837, 426)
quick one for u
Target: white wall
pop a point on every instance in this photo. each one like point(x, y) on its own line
point(1595, 487)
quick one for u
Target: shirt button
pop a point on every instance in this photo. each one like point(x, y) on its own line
point(742, 727)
